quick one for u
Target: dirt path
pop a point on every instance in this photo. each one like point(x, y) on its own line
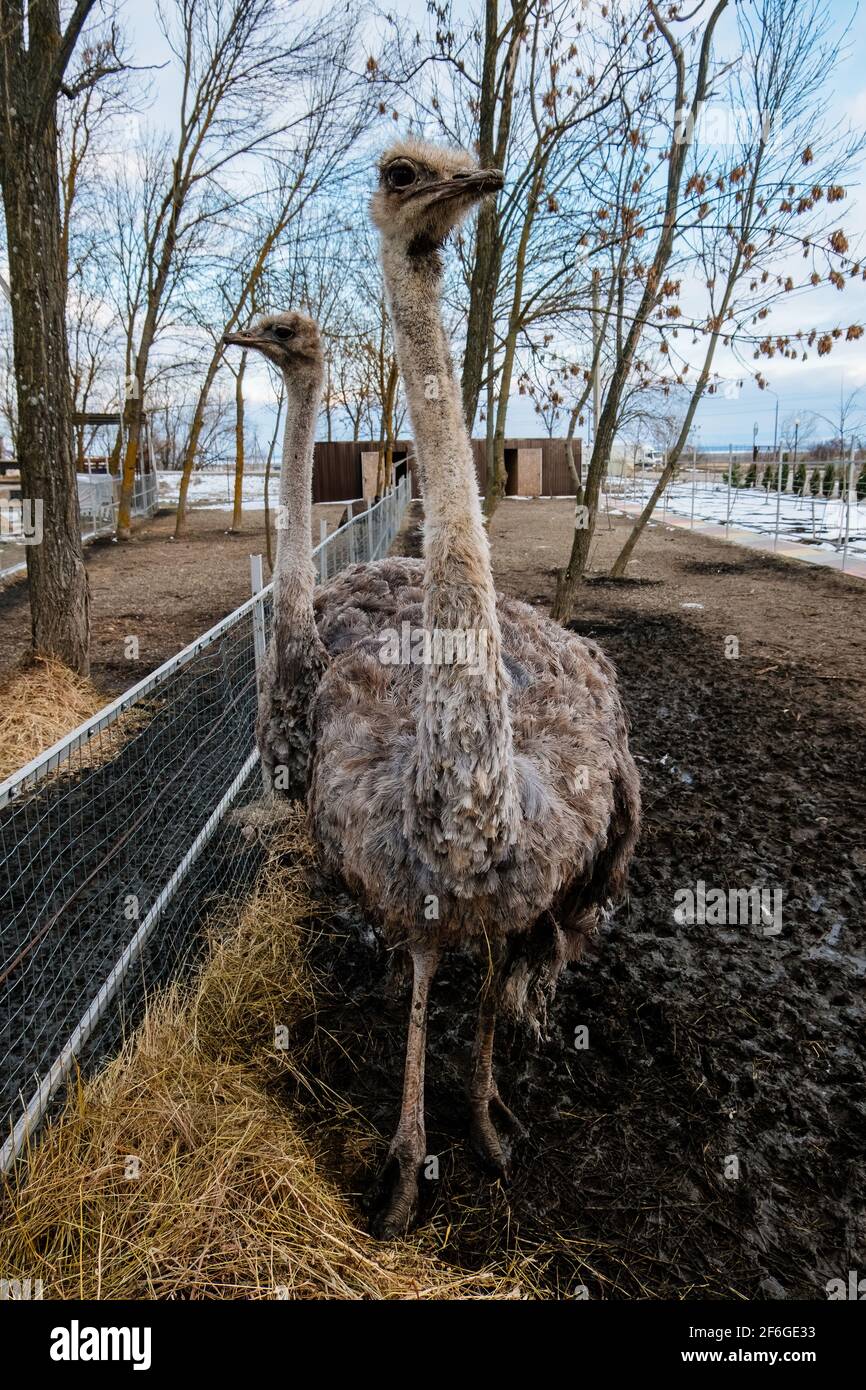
point(708, 1141)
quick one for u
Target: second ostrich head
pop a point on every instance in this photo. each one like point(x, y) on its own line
point(424, 192)
point(290, 340)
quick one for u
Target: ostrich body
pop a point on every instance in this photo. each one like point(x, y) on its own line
point(493, 806)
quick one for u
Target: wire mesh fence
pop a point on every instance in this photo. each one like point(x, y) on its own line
point(364, 537)
point(98, 503)
point(115, 843)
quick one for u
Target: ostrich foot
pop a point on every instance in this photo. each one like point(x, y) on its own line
point(492, 1128)
point(395, 1195)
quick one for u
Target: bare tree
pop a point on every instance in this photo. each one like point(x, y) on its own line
point(304, 163)
point(778, 191)
point(36, 53)
point(236, 59)
point(683, 113)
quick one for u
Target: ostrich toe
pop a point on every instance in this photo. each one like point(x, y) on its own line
point(493, 1127)
point(395, 1196)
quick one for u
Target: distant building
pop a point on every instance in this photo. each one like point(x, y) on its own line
point(625, 457)
point(347, 469)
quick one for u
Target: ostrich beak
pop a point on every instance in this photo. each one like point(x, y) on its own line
point(473, 185)
point(244, 340)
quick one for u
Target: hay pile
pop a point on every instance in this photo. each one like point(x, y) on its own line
point(231, 1198)
point(40, 701)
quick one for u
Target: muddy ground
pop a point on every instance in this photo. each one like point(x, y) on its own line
point(712, 1049)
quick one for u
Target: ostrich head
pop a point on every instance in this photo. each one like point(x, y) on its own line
point(290, 340)
point(425, 192)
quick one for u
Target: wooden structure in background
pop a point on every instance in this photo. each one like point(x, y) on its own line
point(346, 469)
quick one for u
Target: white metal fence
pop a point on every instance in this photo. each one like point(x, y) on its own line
point(823, 511)
point(113, 841)
point(98, 503)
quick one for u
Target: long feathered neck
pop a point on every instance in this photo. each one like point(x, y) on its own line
point(294, 576)
point(462, 809)
point(295, 657)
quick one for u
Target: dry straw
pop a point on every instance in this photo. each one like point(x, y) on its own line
point(40, 701)
point(233, 1197)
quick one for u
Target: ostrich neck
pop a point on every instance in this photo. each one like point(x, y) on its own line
point(464, 806)
point(294, 577)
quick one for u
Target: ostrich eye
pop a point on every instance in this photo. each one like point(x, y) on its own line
point(282, 331)
point(401, 174)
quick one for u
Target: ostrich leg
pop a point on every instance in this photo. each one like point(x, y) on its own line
point(399, 1181)
point(491, 1119)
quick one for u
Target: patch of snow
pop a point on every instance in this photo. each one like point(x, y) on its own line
point(819, 521)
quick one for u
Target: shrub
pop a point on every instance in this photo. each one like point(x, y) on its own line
point(751, 478)
point(815, 482)
point(800, 479)
point(829, 480)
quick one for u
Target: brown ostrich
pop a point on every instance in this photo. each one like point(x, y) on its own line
point(490, 804)
point(307, 626)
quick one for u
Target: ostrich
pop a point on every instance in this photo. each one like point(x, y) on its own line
point(295, 657)
point(492, 805)
point(307, 625)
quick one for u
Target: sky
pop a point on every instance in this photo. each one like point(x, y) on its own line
point(797, 388)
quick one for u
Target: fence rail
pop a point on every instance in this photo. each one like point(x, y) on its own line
point(114, 841)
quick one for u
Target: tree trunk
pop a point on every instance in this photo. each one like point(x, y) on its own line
point(496, 478)
point(568, 578)
point(133, 416)
point(240, 456)
point(269, 544)
point(569, 454)
point(59, 593)
point(191, 447)
point(671, 463)
point(482, 298)
point(387, 451)
point(496, 100)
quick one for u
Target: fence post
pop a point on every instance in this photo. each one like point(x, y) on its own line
point(257, 582)
point(351, 533)
point(848, 491)
point(730, 471)
point(323, 550)
point(778, 494)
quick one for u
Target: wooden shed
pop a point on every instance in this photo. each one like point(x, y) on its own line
point(346, 469)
